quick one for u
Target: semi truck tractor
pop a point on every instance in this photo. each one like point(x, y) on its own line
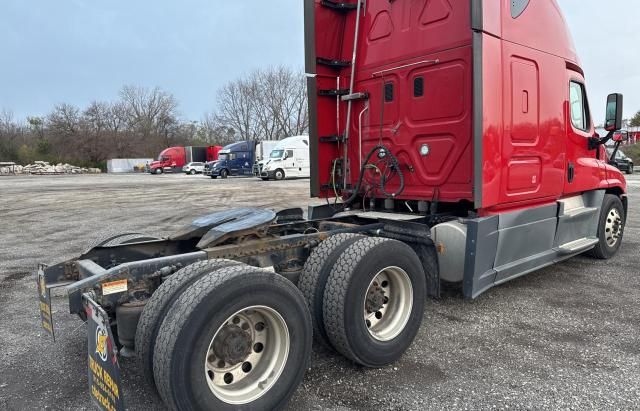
point(233, 160)
point(288, 159)
point(454, 144)
point(173, 159)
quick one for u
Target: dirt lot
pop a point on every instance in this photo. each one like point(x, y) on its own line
point(564, 337)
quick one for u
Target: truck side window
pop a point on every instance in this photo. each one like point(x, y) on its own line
point(289, 153)
point(579, 107)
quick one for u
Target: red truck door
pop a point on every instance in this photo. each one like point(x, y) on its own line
point(584, 172)
point(533, 143)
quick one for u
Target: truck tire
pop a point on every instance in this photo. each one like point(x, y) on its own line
point(610, 228)
point(630, 170)
point(224, 174)
point(279, 174)
point(314, 278)
point(192, 172)
point(374, 301)
point(159, 170)
point(237, 340)
point(160, 303)
point(214, 177)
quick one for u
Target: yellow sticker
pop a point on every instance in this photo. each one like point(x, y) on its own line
point(114, 287)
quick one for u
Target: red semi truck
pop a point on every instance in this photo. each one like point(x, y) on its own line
point(454, 144)
point(173, 159)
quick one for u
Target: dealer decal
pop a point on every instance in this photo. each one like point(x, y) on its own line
point(114, 287)
point(104, 371)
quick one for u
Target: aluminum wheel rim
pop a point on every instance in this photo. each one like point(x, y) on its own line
point(269, 338)
point(613, 227)
point(387, 322)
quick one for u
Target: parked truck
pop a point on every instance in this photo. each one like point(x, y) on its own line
point(288, 159)
point(233, 160)
point(173, 159)
point(263, 150)
point(454, 145)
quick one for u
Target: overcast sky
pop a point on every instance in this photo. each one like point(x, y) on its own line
point(76, 51)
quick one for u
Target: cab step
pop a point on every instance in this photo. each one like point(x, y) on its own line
point(577, 246)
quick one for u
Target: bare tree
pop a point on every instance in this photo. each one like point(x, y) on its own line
point(269, 104)
point(9, 134)
point(95, 119)
point(63, 125)
point(116, 124)
point(213, 131)
point(152, 113)
point(283, 93)
point(236, 108)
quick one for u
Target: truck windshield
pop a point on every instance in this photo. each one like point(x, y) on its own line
point(276, 154)
point(223, 156)
point(163, 158)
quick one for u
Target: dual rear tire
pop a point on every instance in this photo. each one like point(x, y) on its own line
point(372, 293)
point(222, 335)
point(227, 336)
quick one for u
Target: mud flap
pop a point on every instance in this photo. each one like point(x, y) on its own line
point(44, 295)
point(105, 384)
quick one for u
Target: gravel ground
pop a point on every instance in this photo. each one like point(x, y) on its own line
point(564, 337)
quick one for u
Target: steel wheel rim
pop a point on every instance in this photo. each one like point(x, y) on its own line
point(385, 319)
point(269, 349)
point(613, 227)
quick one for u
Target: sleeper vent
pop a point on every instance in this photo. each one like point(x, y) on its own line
point(388, 92)
point(418, 87)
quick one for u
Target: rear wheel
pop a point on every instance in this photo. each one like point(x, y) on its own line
point(374, 301)
point(160, 303)
point(610, 228)
point(314, 278)
point(240, 339)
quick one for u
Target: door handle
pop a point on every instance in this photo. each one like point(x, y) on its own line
point(571, 172)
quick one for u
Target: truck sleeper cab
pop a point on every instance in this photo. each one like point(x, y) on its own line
point(484, 116)
point(233, 160)
point(288, 159)
point(454, 145)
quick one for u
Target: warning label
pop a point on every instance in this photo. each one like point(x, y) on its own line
point(114, 287)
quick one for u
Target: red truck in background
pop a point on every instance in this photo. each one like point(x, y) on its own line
point(173, 159)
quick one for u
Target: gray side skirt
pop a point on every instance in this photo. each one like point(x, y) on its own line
point(503, 247)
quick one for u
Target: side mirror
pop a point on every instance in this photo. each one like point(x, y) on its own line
point(285, 155)
point(613, 119)
point(620, 137)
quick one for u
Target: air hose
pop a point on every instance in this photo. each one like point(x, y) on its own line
point(394, 163)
